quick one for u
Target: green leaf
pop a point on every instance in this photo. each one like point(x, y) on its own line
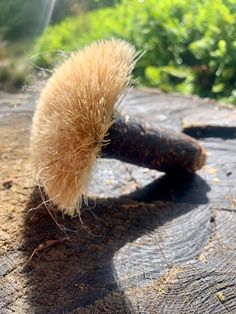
point(177, 71)
point(218, 88)
point(153, 74)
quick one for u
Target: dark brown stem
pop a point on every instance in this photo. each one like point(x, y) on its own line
point(159, 148)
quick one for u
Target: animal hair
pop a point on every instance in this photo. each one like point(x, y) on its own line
point(76, 108)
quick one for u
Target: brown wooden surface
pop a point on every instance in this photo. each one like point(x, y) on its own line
point(154, 148)
point(150, 243)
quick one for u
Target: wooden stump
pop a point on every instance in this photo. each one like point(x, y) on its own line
point(148, 243)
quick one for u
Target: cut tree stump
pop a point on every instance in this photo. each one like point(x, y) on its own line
point(148, 243)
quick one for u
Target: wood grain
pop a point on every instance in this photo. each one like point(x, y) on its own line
point(149, 243)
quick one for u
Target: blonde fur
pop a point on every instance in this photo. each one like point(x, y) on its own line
point(74, 113)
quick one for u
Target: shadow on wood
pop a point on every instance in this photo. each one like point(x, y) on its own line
point(165, 248)
point(77, 273)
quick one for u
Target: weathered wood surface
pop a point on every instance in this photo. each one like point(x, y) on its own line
point(150, 243)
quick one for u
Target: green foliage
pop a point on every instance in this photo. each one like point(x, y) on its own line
point(95, 4)
point(27, 18)
point(189, 45)
point(20, 19)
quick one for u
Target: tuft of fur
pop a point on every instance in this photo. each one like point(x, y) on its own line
point(75, 111)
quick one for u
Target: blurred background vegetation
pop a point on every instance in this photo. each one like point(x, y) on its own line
point(189, 45)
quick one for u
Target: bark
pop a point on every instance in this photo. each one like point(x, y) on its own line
point(160, 149)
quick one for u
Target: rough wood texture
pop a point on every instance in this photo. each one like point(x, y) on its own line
point(154, 148)
point(153, 243)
